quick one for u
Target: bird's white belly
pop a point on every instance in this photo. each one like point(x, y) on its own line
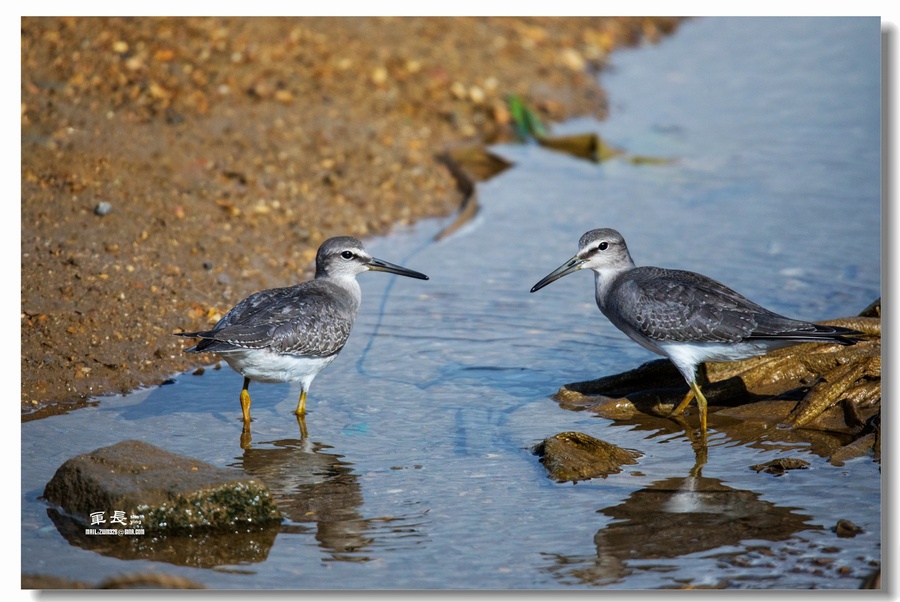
point(266, 366)
point(686, 356)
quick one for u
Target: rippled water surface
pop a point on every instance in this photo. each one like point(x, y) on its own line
point(418, 471)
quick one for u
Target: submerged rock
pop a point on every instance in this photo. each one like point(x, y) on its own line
point(780, 466)
point(574, 456)
point(135, 485)
point(846, 528)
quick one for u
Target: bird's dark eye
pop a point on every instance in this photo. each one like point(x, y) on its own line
point(603, 246)
point(347, 254)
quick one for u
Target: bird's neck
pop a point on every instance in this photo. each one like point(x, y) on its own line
point(603, 279)
point(348, 283)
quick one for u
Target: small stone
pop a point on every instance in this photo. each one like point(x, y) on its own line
point(379, 76)
point(572, 59)
point(102, 208)
point(780, 466)
point(284, 96)
point(458, 90)
point(573, 456)
point(845, 528)
point(134, 63)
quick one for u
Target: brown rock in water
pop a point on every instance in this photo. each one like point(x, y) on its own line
point(780, 466)
point(574, 456)
point(845, 528)
point(163, 491)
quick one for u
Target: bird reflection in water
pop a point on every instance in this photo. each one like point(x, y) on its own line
point(314, 487)
point(674, 518)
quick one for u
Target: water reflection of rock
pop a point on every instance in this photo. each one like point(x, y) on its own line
point(676, 517)
point(246, 545)
point(311, 486)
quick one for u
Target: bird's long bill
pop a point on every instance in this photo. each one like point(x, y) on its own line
point(573, 265)
point(380, 265)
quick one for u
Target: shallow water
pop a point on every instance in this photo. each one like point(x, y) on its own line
point(418, 464)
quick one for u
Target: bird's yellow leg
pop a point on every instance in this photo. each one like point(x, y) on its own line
point(701, 404)
point(301, 405)
point(684, 402)
point(245, 401)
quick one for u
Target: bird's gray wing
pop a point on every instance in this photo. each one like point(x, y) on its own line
point(307, 319)
point(676, 305)
point(252, 305)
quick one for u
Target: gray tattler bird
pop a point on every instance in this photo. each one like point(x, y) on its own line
point(290, 334)
point(684, 316)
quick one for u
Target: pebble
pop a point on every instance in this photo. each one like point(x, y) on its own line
point(572, 59)
point(379, 76)
point(458, 90)
point(102, 208)
point(845, 528)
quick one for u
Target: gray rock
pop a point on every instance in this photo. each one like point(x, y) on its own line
point(157, 491)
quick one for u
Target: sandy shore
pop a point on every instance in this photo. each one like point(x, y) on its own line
point(170, 167)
